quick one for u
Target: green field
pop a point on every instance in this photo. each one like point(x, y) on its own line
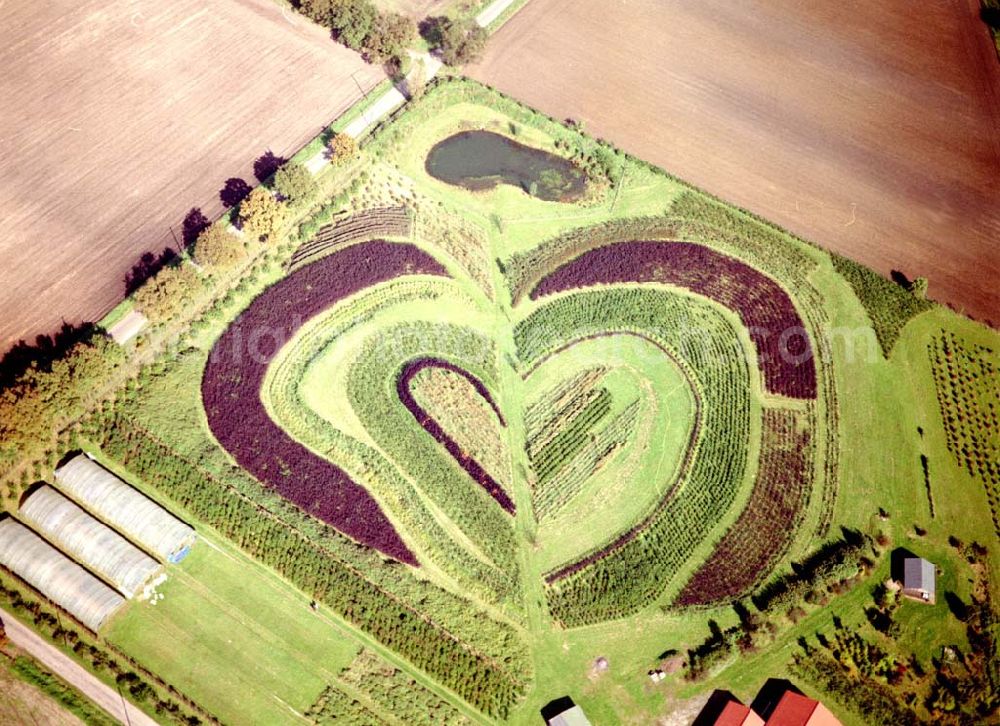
point(663, 467)
point(227, 627)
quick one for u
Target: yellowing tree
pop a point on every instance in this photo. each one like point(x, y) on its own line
point(218, 247)
point(262, 215)
point(342, 148)
point(174, 288)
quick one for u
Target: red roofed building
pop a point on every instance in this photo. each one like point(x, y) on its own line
point(797, 710)
point(736, 714)
point(779, 703)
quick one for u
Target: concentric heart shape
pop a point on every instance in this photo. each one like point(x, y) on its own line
point(670, 355)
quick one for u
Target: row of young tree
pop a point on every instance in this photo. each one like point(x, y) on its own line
point(385, 37)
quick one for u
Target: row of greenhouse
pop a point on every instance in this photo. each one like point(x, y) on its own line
point(92, 543)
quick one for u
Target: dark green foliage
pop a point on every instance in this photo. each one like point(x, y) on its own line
point(359, 25)
point(460, 41)
point(296, 184)
point(877, 702)
point(322, 568)
point(564, 446)
point(890, 306)
point(633, 568)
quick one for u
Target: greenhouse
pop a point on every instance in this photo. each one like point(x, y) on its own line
point(61, 580)
point(88, 540)
point(137, 517)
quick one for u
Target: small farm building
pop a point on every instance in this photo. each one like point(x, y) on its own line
point(56, 576)
point(88, 540)
point(918, 579)
point(133, 514)
point(572, 716)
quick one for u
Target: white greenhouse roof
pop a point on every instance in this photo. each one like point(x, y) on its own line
point(132, 513)
point(88, 540)
point(52, 573)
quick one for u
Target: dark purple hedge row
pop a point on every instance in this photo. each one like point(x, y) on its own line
point(765, 528)
point(783, 347)
point(237, 366)
point(431, 426)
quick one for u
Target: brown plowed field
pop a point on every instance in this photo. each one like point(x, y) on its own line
point(118, 116)
point(870, 128)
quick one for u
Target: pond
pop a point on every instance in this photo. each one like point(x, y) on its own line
point(478, 160)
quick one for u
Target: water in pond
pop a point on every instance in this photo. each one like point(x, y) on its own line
point(480, 160)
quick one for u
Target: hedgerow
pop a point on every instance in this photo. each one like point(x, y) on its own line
point(784, 352)
point(889, 306)
point(765, 528)
point(372, 391)
point(237, 367)
point(338, 573)
point(635, 567)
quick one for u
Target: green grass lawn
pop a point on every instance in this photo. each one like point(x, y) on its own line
point(235, 638)
point(637, 476)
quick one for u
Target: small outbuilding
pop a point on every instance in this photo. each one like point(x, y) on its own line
point(563, 712)
point(919, 579)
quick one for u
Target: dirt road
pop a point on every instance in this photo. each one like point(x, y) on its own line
point(865, 127)
point(66, 668)
point(119, 116)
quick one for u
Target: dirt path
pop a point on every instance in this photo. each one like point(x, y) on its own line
point(73, 673)
point(831, 118)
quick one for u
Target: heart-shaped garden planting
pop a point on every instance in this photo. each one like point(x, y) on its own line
point(622, 391)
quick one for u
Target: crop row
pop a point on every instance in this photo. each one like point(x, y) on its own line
point(968, 393)
point(382, 478)
point(237, 366)
point(549, 498)
point(372, 390)
point(571, 435)
point(430, 424)
point(632, 569)
point(366, 225)
point(466, 416)
point(469, 654)
point(547, 416)
point(759, 241)
point(461, 239)
point(783, 348)
point(765, 528)
point(396, 693)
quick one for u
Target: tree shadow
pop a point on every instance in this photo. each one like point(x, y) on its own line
point(266, 165)
point(147, 266)
point(897, 558)
point(431, 29)
point(714, 707)
point(553, 708)
point(233, 192)
point(43, 352)
point(194, 224)
point(770, 694)
point(957, 606)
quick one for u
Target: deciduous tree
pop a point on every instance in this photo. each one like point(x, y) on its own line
point(218, 247)
point(296, 184)
point(262, 215)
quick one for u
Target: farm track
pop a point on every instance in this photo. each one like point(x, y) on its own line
point(73, 673)
point(125, 115)
point(830, 119)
